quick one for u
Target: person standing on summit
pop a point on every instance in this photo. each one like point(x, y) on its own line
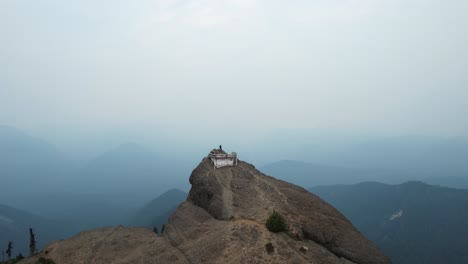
point(220, 147)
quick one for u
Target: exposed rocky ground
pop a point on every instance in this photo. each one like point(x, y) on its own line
point(223, 221)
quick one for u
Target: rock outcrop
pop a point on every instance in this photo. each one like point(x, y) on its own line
point(223, 221)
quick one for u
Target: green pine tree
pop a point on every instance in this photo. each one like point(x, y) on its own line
point(32, 242)
point(276, 223)
point(9, 250)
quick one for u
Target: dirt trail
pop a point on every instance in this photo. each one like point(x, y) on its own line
point(225, 181)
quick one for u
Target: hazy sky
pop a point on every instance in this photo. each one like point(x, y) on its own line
point(253, 66)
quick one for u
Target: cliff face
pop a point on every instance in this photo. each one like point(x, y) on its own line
point(223, 221)
point(228, 208)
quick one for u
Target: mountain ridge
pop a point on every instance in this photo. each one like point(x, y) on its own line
point(223, 221)
point(15, 224)
point(412, 222)
point(157, 211)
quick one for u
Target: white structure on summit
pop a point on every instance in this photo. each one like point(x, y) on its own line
point(222, 159)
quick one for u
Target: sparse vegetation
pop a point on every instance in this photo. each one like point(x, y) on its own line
point(43, 260)
point(18, 258)
point(276, 223)
point(269, 247)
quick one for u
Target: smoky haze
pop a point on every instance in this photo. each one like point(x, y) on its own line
point(166, 67)
point(354, 84)
point(107, 106)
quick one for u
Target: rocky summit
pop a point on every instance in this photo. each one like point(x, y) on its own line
point(223, 221)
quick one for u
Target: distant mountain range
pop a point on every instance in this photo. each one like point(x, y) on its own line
point(309, 174)
point(15, 224)
point(452, 182)
point(428, 156)
point(411, 222)
point(223, 221)
point(158, 211)
point(110, 189)
point(411, 155)
point(127, 168)
point(29, 164)
point(35, 176)
point(41, 188)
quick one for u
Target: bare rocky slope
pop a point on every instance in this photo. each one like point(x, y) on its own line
point(223, 221)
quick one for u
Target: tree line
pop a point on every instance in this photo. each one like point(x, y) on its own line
point(8, 253)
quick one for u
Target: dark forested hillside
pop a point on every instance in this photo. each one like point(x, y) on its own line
point(157, 212)
point(412, 222)
point(15, 224)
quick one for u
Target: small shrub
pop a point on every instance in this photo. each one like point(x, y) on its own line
point(18, 258)
point(269, 247)
point(276, 223)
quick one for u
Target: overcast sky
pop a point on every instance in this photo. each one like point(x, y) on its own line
point(392, 67)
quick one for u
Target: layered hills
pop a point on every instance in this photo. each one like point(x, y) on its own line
point(15, 224)
point(157, 211)
point(411, 222)
point(223, 221)
point(310, 174)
